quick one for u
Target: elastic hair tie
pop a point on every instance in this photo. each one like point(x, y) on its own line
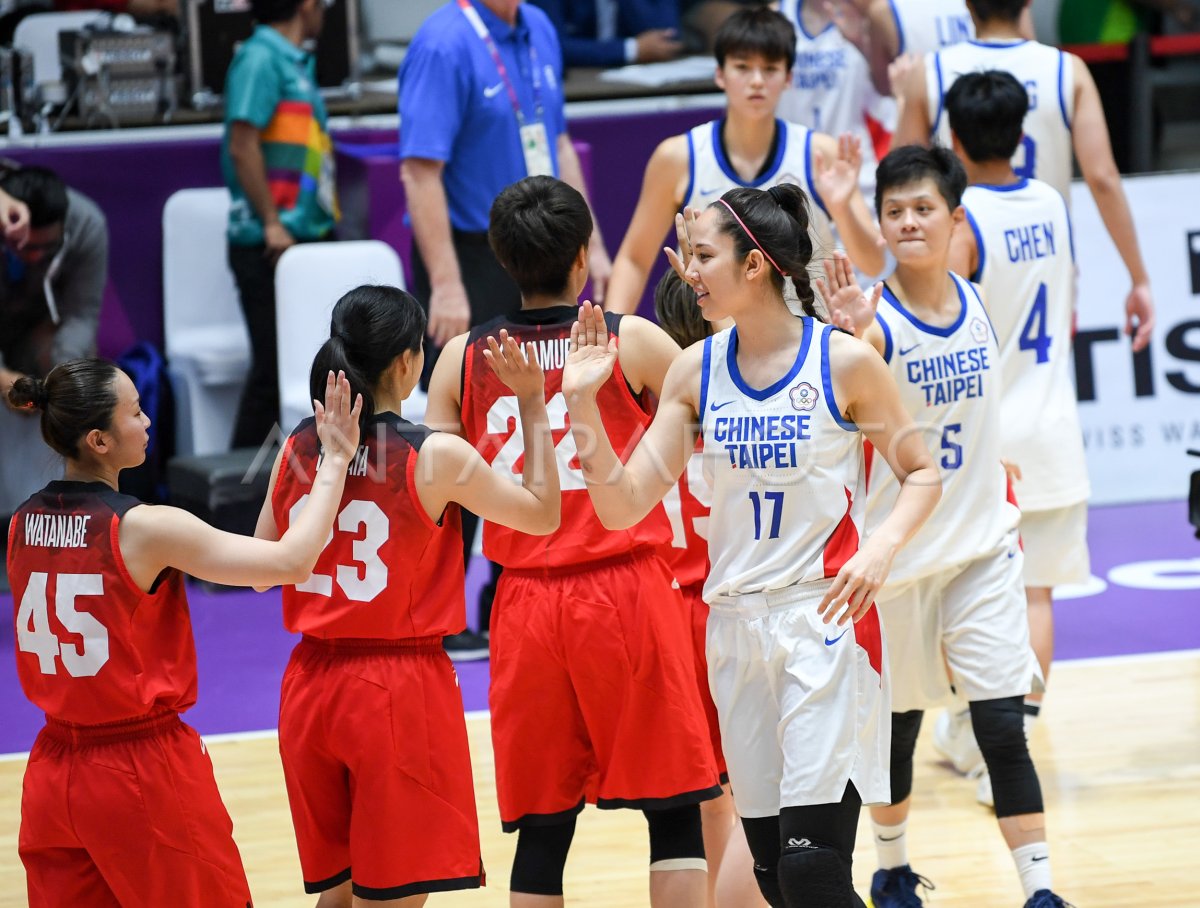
point(753, 238)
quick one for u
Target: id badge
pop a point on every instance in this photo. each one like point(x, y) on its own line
point(536, 147)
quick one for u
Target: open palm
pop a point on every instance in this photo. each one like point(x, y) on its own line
point(593, 354)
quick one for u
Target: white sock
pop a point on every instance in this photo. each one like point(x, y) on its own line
point(1033, 864)
point(891, 844)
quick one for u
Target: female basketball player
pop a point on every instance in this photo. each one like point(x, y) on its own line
point(371, 723)
point(779, 401)
point(119, 805)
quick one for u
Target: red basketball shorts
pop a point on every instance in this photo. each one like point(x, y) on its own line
point(125, 816)
point(374, 748)
point(699, 613)
point(593, 693)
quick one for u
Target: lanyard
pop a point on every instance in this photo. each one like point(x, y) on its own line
point(485, 36)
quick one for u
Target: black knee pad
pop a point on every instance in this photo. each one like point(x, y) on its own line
point(905, 728)
point(768, 884)
point(813, 876)
point(999, 727)
point(541, 857)
point(676, 834)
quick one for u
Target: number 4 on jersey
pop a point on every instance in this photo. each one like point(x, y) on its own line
point(1033, 335)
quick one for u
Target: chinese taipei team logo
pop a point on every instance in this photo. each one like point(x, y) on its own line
point(804, 396)
point(979, 330)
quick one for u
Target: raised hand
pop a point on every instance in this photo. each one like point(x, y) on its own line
point(837, 180)
point(337, 421)
point(515, 366)
point(849, 308)
point(681, 261)
point(593, 354)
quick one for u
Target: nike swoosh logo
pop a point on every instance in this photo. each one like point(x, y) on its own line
point(492, 90)
point(1012, 554)
point(1044, 857)
point(829, 642)
point(714, 406)
point(904, 351)
point(884, 838)
point(714, 191)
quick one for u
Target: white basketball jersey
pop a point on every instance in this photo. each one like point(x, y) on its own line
point(786, 471)
point(831, 90)
point(1046, 72)
point(949, 381)
point(1027, 272)
point(923, 26)
point(711, 175)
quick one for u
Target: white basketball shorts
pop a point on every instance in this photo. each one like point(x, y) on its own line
point(1055, 542)
point(975, 614)
point(803, 705)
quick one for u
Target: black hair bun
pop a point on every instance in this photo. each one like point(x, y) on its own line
point(29, 393)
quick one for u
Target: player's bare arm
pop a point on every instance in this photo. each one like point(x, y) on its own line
point(864, 386)
point(964, 250)
point(837, 164)
point(449, 469)
point(1093, 150)
point(625, 493)
point(645, 353)
point(443, 410)
point(154, 538)
point(663, 186)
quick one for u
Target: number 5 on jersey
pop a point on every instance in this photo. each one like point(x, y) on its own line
point(81, 660)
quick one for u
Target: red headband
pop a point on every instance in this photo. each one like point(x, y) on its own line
point(753, 238)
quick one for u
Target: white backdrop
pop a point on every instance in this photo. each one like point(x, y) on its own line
point(1140, 414)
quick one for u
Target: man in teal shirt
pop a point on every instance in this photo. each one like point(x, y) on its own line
point(277, 159)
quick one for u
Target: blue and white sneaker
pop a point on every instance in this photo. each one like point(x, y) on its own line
point(897, 888)
point(1044, 898)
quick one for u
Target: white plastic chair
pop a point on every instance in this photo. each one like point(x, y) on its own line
point(38, 34)
point(310, 279)
point(208, 348)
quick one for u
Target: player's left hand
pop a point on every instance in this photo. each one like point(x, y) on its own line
point(593, 354)
point(849, 308)
point(515, 366)
point(853, 591)
point(1139, 316)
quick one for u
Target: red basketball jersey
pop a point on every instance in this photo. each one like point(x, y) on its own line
point(388, 571)
point(92, 647)
point(687, 506)
point(490, 420)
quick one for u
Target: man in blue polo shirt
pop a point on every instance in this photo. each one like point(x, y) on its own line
point(481, 107)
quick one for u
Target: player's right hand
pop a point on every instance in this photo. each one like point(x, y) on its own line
point(849, 308)
point(516, 366)
point(449, 312)
point(593, 354)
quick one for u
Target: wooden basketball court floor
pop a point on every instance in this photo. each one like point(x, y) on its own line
point(1118, 752)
